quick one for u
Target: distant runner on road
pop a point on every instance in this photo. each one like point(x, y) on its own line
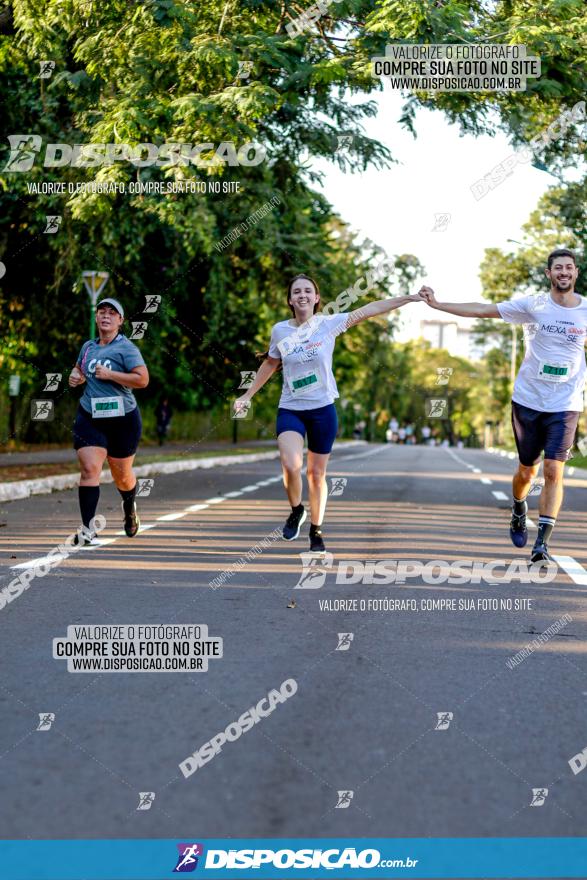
point(548, 393)
point(108, 422)
point(304, 345)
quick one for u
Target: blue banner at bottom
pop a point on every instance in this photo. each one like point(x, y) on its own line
point(367, 858)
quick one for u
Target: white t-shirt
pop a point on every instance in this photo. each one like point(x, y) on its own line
point(306, 355)
point(552, 375)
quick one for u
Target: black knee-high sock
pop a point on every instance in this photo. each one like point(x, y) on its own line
point(128, 497)
point(88, 502)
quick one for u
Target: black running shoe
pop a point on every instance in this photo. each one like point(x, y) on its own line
point(291, 529)
point(131, 521)
point(518, 529)
point(316, 542)
point(540, 554)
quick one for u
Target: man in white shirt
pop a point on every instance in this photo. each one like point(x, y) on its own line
point(548, 392)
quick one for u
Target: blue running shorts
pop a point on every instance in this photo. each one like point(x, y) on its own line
point(320, 424)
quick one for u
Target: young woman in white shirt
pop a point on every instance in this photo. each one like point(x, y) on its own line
point(303, 346)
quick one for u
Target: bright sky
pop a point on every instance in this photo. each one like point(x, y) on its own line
point(396, 207)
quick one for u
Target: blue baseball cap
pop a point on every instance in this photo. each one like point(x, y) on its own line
point(111, 302)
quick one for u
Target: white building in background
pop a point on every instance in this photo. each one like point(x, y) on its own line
point(441, 330)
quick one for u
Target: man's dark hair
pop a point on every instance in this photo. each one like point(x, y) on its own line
point(561, 252)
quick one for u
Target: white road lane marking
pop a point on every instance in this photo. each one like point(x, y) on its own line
point(500, 496)
point(360, 455)
point(458, 459)
point(574, 569)
point(167, 517)
point(487, 481)
point(44, 560)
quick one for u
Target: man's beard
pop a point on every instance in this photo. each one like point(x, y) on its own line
point(567, 285)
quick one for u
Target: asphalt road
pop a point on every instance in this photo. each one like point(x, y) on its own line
point(363, 719)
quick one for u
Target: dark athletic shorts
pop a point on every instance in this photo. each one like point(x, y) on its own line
point(537, 432)
point(321, 425)
point(119, 436)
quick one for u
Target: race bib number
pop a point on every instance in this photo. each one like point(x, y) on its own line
point(553, 372)
point(304, 382)
point(107, 407)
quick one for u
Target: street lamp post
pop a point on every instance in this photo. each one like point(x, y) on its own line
point(94, 283)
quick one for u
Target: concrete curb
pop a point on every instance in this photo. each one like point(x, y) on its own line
point(44, 485)
point(25, 488)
